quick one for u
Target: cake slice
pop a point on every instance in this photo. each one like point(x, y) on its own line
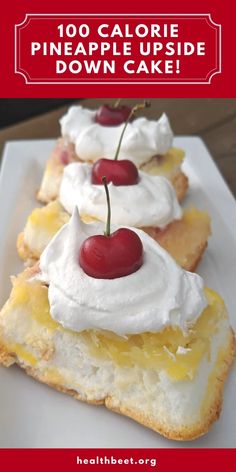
point(185, 239)
point(170, 381)
point(112, 319)
point(168, 165)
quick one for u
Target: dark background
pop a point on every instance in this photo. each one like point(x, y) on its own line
point(25, 109)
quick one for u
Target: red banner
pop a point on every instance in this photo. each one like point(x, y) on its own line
point(162, 460)
point(118, 49)
point(168, 49)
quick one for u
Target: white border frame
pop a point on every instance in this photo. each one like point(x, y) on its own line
point(25, 21)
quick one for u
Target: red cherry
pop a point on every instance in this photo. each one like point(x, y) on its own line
point(110, 257)
point(118, 172)
point(112, 116)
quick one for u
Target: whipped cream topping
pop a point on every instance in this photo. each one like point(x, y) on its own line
point(143, 138)
point(159, 294)
point(152, 202)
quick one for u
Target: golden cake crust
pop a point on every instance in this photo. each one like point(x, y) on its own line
point(24, 251)
point(180, 183)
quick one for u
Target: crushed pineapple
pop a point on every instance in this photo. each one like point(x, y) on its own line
point(147, 350)
point(23, 354)
point(150, 350)
point(34, 296)
point(191, 215)
point(51, 217)
point(165, 165)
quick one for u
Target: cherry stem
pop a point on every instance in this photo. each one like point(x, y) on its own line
point(133, 111)
point(117, 103)
point(108, 225)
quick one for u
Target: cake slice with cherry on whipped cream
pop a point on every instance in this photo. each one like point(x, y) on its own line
point(112, 319)
point(89, 134)
point(138, 199)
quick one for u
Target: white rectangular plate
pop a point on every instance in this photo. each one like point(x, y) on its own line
point(32, 414)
